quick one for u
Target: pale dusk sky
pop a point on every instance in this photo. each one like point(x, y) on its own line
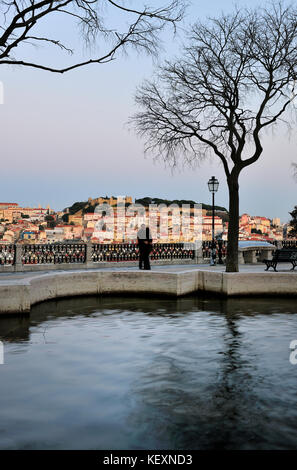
point(64, 137)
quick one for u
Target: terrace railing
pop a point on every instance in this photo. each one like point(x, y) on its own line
point(287, 243)
point(129, 252)
point(221, 249)
point(53, 253)
point(7, 255)
point(114, 252)
point(20, 257)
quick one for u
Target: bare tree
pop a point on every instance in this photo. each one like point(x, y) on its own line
point(235, 78)
point(20, 19)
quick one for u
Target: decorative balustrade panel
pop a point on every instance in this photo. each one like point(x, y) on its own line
point(114, 252)
point(287, 243)
point(207, 247)
point(171, 251)
point(58, 253)
point(7, 255)
point(54, 253)
point(129, 252)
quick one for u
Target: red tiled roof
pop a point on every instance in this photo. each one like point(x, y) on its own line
point(8, 204)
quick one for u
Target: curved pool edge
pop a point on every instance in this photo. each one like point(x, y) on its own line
point(17, 296)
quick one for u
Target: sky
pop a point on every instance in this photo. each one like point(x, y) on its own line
point(64, 138)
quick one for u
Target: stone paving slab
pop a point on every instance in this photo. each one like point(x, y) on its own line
point(246, 268)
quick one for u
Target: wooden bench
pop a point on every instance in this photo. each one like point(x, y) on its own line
point(285, 255)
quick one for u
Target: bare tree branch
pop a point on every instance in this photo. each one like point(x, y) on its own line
point(19, 17)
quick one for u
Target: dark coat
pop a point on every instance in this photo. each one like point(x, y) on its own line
point(145, 247)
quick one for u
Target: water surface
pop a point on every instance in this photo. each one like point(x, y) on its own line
point(134, 373)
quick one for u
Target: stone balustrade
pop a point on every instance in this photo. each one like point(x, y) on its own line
point(21, 257)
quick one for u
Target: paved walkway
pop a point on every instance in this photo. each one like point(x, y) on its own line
point(244, 268)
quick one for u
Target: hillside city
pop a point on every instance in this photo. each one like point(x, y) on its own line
point(38, 225)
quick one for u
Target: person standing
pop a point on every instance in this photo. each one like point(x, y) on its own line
point(141, 234)
point(145, 247)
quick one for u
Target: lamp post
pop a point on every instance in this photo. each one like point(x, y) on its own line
point(220, 243)
point(213, 186)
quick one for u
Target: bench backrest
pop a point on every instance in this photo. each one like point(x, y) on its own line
point(285, 254)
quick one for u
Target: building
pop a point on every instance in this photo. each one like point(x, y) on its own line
point(55, 235)
point(75, 219)
point(7, 205)
point(207, 226)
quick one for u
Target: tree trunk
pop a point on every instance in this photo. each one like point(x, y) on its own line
point(233, 228)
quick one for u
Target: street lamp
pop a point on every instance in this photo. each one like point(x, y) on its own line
point(213, 186)
point(220, 243)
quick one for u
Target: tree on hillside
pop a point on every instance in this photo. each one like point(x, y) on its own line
point(293, 223)
point(51, 223)
point(235, 78)
point(22, 22)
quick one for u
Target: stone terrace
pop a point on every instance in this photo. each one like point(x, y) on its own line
point(19, 291)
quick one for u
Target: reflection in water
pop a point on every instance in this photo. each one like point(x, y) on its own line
point(201, 411)
point(129, 373)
